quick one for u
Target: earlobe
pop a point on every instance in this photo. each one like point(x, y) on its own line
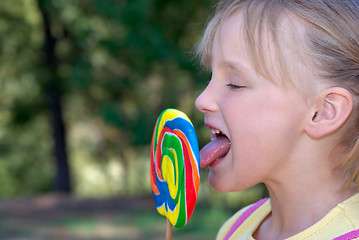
point(332, 109)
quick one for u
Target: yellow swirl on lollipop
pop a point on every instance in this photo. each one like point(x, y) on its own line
point(175, 165)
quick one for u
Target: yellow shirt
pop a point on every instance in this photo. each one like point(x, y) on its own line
point(342, 219)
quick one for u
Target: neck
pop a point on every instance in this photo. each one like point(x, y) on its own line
point(296, 208)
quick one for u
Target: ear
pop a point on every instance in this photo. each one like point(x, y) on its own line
point(330, 111)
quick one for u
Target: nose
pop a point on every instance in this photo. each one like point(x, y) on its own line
point(206, 101)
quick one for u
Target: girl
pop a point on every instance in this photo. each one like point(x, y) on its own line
point(282, 109)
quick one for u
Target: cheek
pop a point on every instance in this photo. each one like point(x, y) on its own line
point(263, 130)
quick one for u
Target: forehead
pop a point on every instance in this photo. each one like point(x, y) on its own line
point(273, 50)
point(228, 45)
point(237, 31)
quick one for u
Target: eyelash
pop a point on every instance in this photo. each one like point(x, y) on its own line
point(233, 86)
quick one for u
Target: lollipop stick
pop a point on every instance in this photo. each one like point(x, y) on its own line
point(168, 230)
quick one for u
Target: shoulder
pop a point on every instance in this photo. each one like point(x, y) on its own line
point(245, 219)
point(230, 222)
point(342, 222)
point(350, 208)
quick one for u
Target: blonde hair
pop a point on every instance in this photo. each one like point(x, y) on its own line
point(331, 41)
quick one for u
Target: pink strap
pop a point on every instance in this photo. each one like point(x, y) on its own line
point(349, 235)
point(244, 216)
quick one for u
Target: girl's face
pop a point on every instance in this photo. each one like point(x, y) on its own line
point(262, 121)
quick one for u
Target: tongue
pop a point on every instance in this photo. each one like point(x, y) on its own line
point(212, 151)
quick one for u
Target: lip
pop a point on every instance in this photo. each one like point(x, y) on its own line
point(209, 125)
point(217, 161)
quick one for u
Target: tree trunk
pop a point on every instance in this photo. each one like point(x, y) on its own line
point(62, 179)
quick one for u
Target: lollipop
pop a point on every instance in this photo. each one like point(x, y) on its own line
point(175, 166)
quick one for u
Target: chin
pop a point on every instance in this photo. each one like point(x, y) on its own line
point(218, 185)
point(226, 186)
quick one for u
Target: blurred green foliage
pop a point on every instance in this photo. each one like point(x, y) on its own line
point(120, 63)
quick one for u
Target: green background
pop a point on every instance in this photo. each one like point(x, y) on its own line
point(112, 66)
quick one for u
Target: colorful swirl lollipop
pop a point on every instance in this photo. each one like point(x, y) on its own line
point(175, 166)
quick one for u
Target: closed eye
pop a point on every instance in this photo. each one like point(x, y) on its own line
point(233, 86)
